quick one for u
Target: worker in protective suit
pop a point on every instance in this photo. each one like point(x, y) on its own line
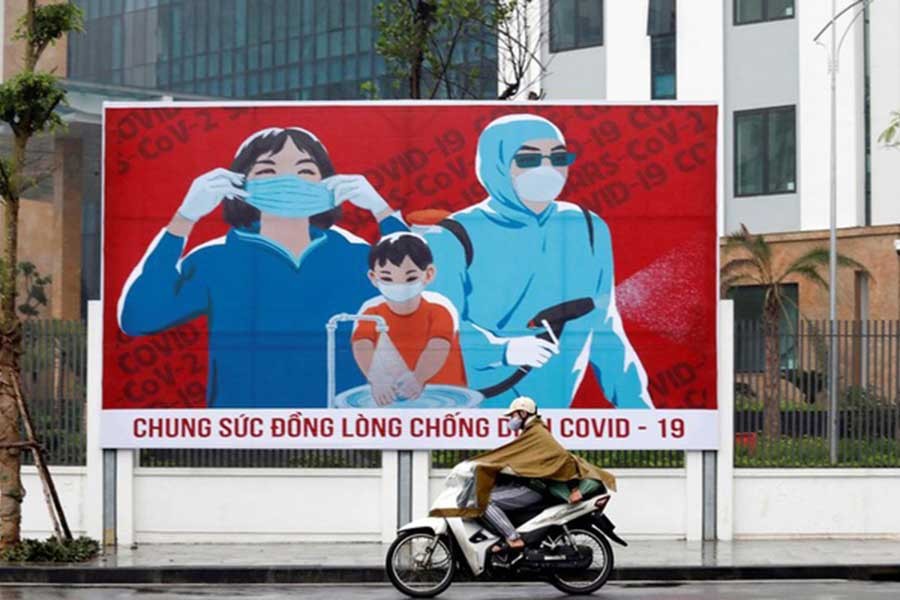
point(521, 251)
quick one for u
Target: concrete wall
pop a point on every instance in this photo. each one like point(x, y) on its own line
point(70, 485)
point(871, 246)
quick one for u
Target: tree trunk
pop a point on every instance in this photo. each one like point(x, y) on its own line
point(771, 400)
point(11, 491)
point(424, 19)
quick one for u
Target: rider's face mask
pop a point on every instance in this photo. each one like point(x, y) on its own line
point(516, 422)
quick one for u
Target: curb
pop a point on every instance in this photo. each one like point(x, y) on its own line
point(76, 575)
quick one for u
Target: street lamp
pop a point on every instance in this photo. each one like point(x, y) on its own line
point(834, 49)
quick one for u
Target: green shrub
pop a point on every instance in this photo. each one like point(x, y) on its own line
point(52, 550)
point(808, 452)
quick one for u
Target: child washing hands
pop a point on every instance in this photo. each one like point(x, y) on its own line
point(422, 326)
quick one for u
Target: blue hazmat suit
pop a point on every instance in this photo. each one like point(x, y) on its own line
point(523, 263)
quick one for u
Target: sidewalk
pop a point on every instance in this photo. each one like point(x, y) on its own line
point(345, 562)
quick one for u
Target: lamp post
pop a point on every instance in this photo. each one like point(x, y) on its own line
point(834, 49)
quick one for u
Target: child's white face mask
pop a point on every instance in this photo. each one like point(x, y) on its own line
point(400, 292)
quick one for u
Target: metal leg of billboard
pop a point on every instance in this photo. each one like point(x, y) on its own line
point(109, 497)
point(404, 487)
point(724, 464)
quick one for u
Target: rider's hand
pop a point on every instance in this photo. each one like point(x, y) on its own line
point(358, 191)
point(575, 496)
point(409, 386)
point(529, 351)
point(383, 393)
point(207, 191)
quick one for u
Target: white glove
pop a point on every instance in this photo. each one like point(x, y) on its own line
point(529, 351)
point(358, 190)
point(208, 190)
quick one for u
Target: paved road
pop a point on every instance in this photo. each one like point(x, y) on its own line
point(755, 590)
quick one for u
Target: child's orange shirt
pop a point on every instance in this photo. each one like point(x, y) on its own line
point(411, 333)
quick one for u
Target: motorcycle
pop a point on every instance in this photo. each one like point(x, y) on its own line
point(566, 544)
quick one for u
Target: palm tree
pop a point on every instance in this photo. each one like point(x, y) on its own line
point(754, 265)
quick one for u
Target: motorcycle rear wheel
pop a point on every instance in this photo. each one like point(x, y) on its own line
point(414, 573)
point(599, 571)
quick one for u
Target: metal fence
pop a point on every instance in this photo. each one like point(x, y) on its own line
point(54, 381)
point(54, 371)
point(795, 386)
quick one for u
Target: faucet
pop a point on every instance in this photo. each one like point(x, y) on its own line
point(331, 327)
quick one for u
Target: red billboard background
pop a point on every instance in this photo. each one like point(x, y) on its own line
point(648, 170)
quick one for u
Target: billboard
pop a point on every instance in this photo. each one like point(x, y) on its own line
point(392, 275)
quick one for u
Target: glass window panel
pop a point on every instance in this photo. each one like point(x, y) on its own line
point(280, 56)
point(293, 50)
point(748, 139)
point(253, 58)
point(661, 18)
point(253, 19)
point(335, 14)
point(240, 88)
point(267, 81)
point(562, 24)
point(351, 13)
point(252, 83)
point(321, 71)
point(201, 24)
point(590, 23)
point(200, 66)
point(226, 63)
point(320, 17)
point(748, 11)
point(265, 9)
point(240, 60)
point(308, 74)
point(266, 56)
point(309, 20)
point(242, 25)
point(187, 69)
point(227, 87)
point(662, 61)
point(335, 39)
point(350, 40)
point(214, 65)
point(308, 48)
point(176, 71)
point(215, 87)
point(322, 45)
point(365, 38)
point(780, 9)
point(782, 151)
point(281, 19)
point(334, 70)
point(294, 77)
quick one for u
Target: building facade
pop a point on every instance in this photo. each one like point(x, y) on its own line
point(758, 61)
point(755, 58)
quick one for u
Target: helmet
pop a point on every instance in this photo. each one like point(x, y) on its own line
point(522, 403)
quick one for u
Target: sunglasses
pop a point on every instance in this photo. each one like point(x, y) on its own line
point(530, 160)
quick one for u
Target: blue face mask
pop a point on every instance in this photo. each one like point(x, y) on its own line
point(289, 196)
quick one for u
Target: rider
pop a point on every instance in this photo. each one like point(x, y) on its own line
point(522, 472)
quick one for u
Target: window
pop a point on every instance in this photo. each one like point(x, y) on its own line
point(757, 11)
point(661, 29)
point(575, 24)
point(765, 152)
point(749, 341)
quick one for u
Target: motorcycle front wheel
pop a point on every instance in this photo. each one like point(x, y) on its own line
point(420, 565)
point(595, 576)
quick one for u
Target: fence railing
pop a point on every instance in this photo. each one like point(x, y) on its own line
point(54, 381)
point(786, 377)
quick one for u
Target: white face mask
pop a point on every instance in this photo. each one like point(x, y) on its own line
point(400, 292)
point(516, 423)
point(541, 184)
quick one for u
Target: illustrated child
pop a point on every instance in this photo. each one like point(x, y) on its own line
point(422, 326)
